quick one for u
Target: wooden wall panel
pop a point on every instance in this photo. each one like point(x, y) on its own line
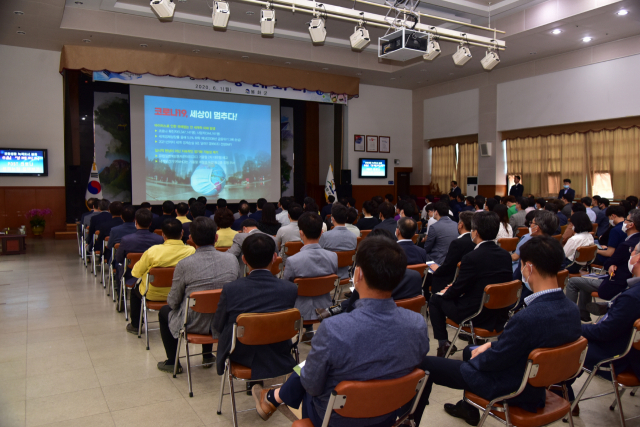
point(420, 190)
point(366, 192)
point(492, 190)
point(15, 202)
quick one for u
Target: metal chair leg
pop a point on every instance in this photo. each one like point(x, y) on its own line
point(189, 370)
point(633, 391)
point(455, 337)
point(565, 392)
point(615, 402)
point(618, 395)
point(484, 416)
point(175, 364)
point(232, 394)
point(140, 319)
point(583, 389)
point(223, 377)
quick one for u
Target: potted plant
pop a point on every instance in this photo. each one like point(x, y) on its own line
point(36, 219)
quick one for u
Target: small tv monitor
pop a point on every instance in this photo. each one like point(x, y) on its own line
point(372, 168)
point(23, 162)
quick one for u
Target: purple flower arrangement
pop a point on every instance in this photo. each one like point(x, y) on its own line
point(36, 216)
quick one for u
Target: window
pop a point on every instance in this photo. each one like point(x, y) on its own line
point(602, 185)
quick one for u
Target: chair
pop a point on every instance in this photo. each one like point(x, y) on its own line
point(94, 253)
point(509, 244)
point(103, 262)
point(414, 239)
point(584, 254)
point(276, 267)
point(417, 304)
point(545, 367)
point(292, 248)
point(129, 262)
point(358, 240)
point(203, 302)
point(419, 226)
point(190, 242)
point(374, 398)
point(79, 237)
point(158, 231)
point(594, 228)
point(161, 277)
point(423, 269)
point(112, 279)
point(623, 380)
point(563, 276)
point(364, 233)
point(522, 231)
point(315, 287)
point(558, 237)
point(563, 228)
point(495, 297)
point(345, 259)
point(223, 248)
point(258, 329)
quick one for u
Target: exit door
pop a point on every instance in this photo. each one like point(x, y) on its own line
point(404, 181)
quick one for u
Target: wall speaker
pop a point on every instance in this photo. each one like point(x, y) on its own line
point(345, 177)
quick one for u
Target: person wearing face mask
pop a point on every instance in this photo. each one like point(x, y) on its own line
point(614, 235)
point(582, 237)
point(567, 192)
point(486, 264)
point(440, 234)
point(601, 214)
point(496, 368)
point(616, 268)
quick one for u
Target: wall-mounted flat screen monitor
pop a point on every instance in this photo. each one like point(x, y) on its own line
point(23, 162)
point(372, 168)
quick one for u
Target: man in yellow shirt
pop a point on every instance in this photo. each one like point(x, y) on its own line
point(165, 255)
point(182, 209)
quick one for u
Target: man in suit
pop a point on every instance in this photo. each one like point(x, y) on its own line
point(203, 200)
point(518, 219)
point(90, 205)
point(249, 226)
point(259, 292)
point(311, 261)
point(127, 227)
point(197, 209)
point(244, 215)
point(168, 208)
point(290, 232)
point(326, 209)
point(404, 233)
point(86, 221)
point(455, 190)
point(387, 214)
point(205, 270)
point(340, 238)
point(257, 215)
point(443, 274)
point(601, 215)
point(617, 269)
point(95, 222)
point(567, 192)
point(359, 345)
point(496, 368)
point(516, 189)
point(487, 264)
point(440, 234)
point(115, 209)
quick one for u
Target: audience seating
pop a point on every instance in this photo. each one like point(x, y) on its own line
point(364, 233)
point(129, 262)
point(346, 259)
point(423, 269)
point(276, 268)
point(545, 367)
point(358, 240)
point(563, 276)
point(563, 228)
point(292, 248)
point(594, 227)
point(190, 242)
point(414, 239)
point(622, 380)
point(522, 231)
point(417, 304)
point(103, 262)
point(584, 254)
point(94, 253)
point(258, 329)
point(509, 244)
point(558, 237)
point(374, 398)
point(161, 277)
point(204, 302)
point(419, 226)
point(79, 237)
point(158, 231)
point(316, 286)
point(498, 296)
point(223, 248)
point(112, 270)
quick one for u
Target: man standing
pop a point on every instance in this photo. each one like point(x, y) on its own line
point(517, 189)
point(455, 190)
point(441, 234)
point(567, 192)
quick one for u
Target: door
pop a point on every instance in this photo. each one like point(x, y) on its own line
point(404, 181)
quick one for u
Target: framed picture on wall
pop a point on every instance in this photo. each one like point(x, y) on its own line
point(358, 143)
point(372, 144)
point(385, 144)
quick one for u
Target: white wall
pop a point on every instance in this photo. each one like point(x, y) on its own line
point(325, 154)
point(452, 115)
point(31, 102)
point(600, 91)
point(380, 111)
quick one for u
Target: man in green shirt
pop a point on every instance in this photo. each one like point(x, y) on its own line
point(511, 204)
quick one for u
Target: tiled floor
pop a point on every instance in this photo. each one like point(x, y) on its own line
point(66, 360)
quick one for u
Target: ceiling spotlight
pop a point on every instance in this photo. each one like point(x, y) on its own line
point(79, 3)
point(360, 38)
point(490, 60)
point(392, 78)
point(325, 69)
point(462, 55)
point(144, 45)
point(18, 12)
point(317, 31)
point(358, 74)
point(86, 41)
point(556, 31)
point(163, 8)
point(433, 50)
point(587, 39)
point(622, 12)
point(287, 63)
point(245, 57)
point(250, 12)
point(221, 14)
point(195, 50)
point(22, 33)
point(267, 22)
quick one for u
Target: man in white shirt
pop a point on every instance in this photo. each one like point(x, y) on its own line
point(283, 217)
point(352, 215)
point(586, 201)
point(290, 232)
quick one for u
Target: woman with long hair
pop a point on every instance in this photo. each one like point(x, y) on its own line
point(505, 228)
point(269, 224)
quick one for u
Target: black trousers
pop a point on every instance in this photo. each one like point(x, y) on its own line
point(438, 317)
point(135, 303)
point(170, 343)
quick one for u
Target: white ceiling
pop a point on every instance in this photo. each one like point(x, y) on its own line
point(129, 23)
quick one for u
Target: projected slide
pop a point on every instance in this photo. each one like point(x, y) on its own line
point(198, 147)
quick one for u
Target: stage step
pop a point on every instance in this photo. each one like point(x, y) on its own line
point(71, 227)
point(65, 235)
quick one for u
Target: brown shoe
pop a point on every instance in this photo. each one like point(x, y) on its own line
point(576, 411)
point(263, 406)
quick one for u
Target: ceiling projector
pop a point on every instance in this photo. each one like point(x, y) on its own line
point(163, 8)
point(317, 31)
point(360, 38)
point(433, 50)
point(462, 55)
point(267, 22)
point(221, 14)
point(490, 60)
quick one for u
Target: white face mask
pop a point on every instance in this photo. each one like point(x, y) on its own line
point(566, 186)
point(624, 227)
point(611, 222)
point(630, 266)
point(530, 230)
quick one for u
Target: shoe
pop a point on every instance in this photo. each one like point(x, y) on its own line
point(598, 308)
point(585, 318)
point(165, 367)
point(348, 294)
point(461, 410)
point(576, 411)
point(442, 351)
point(263, 406)
point(208, 362)
point(307, 337)
point(323, 313)
point(132, 329)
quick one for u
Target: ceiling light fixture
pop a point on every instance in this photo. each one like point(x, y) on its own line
point(433, 50)
point(462, 55)
point(18, 12)
point(195, 50)
point(622, 12)
point(221, 14)
point(22, 33)
point(587, 39)
point(250, 12)
point(245, 57)
point(317, 31)
point(360, 38)
point(267, 22)
point(287, 63)
point(144, 45)
point(325, 69)
point(163, 8)
point(86, 41)
point(556, 31)
point(79, 3)
point(490, 60)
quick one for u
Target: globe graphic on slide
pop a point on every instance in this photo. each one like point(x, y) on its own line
point(208, 180)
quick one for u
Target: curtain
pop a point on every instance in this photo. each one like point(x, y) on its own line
point(525, 157)
point(443, 166)
point(618, 153)
point(467, 162)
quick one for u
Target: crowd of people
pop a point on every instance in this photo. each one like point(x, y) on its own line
point(458, 238)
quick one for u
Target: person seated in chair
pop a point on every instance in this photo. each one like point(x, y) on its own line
point(441, 234)
point(407, 228)
point(115, 209)
point(168, 209)
point(496, 368)
point(486, 264)
point(387, 214)
point(127, 227)
point(205, 270)
point(95, 221)
point(259, 292)
point(581, 225)
point(352, 216)
point(379, 340)
point(289, 232)
point(249, 226)
point(165, 255)
point(370, 219)
point(339, 239)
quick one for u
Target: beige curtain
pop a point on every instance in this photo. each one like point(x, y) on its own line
point(618, 153)
point(467, 162)
point(525, 157)
point(443, 166)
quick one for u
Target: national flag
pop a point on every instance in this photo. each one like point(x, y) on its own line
point(330, 185)
point(94, 189)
